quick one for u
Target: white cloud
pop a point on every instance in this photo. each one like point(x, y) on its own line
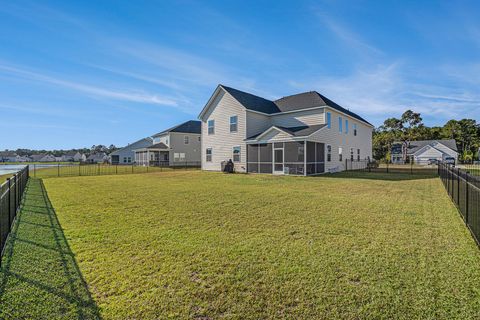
point(131, 96)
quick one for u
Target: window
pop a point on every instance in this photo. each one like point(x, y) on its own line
point(329, 153)
point(199, 138)
point(340, 154)
point(236, 154)
point(340, 124)
point(179, 156)
point(233, 123)
point(354, 129)
point(124, 159)
point(211, 126)
point(351, 154)
point(166, 141)
point(329, 120)
point(358, 154)
point(209, 155)
point(186, 140)
point(346, 126)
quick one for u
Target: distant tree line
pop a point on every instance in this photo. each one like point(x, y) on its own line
point(57, 153)
point(410, 127)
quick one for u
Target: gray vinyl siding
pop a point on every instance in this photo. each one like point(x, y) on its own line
point(300, 118)
point(192, 150)
point(257, 123)
point(128, 151)
point(222, 141)
point(336, 139)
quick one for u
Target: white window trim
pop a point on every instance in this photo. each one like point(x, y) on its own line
point(329, 152)
point(239, 154)
point(208, 126)
point(340, 124)
point(206, 154)
point(230, 124)
point(346, 126)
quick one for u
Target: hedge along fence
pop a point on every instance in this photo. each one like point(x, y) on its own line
point(11, 194)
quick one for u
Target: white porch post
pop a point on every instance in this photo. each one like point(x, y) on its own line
point(305, 158)
point(148, 158)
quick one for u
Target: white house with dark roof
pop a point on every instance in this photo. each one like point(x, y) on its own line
point(424, 151)
point(176, 146)
point(302, 134)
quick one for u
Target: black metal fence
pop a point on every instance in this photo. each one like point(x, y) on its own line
point(71, 170)
point(387, 167)
point(11, 193)
point(464, 189)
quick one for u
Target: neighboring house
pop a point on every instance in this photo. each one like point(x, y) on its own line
point(100, 157)
point(42, 158)
point(126, 155)
point(9, 156)
point(423, 151)
point(180, 145)
point(74, 157)
point(301, 134)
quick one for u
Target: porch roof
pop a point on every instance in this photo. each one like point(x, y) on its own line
point(155, 147)
point(299, 131)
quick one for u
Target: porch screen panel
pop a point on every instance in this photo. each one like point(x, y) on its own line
point(252, 158)
point(320, 158)
point(294, 157)
point(265, 159)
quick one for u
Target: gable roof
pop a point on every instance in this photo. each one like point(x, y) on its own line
point(142, 142)
point(300, 131)
point(159, 145)
point(191, 126)
point(301, 101)
point(414, 146)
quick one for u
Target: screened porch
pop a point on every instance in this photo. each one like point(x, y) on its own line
point(292, 157)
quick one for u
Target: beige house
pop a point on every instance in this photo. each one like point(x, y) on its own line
point(302, 134)
point(177, 146)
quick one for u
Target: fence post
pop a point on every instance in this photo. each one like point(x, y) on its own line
point(34, 170)
point(458, 187)
point(9, 203)
point(411, 166)
point(58, 170)
point(466, 198)
point(346, 165)
point(116, 169)
point(387, 165)
point(79, 170)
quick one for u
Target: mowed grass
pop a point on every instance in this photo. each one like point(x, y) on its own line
point(208, 246)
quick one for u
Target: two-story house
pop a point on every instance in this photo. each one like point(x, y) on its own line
point(302, 134)
point(177, 146)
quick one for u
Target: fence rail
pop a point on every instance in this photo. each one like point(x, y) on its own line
point(70, 170)
point(11, 193)
point(464, 190)
point(386, 167)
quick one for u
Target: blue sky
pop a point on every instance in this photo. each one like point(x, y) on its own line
point(78, 73)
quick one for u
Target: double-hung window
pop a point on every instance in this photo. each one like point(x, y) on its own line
point(329, 120)
point(233, 123)
point(186, 140)
point(236, 154)
point(329, 153)
point(211, 126)
point(358, 154)
point(209, 155)
point(354, 129)
point(351, 154)
point(340, 154)
point(340, 124)
point(346, 126)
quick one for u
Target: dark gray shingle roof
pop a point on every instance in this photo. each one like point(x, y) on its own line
point(414, 146)
point(159, 145)
point(300, 131)
point(294, 102)
point(191, 126)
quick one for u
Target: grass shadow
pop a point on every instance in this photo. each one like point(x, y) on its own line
point(39, 277)
point(390, 176)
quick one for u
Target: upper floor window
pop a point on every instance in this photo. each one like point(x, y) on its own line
point(346, 126)
point(340, 124)
point(208, 155)
point(233, 123)
point(354, 129)
point(329, 120)
point(329, 153)
point(186, 140)
point(236, 154)
point(211, 126)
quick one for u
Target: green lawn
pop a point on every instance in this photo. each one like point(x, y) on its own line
point(4, 177)
point(207, 246)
